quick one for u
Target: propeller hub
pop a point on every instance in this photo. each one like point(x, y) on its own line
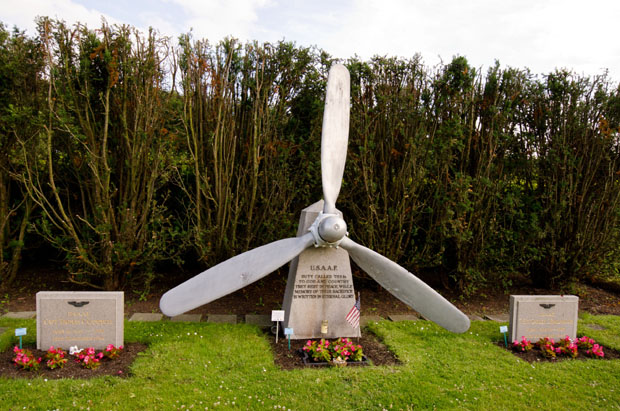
point(328, 230)
point(332, 229)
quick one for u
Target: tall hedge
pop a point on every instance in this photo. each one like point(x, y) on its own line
point(133, 150)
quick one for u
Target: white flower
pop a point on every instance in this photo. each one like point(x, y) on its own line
point(74, 350)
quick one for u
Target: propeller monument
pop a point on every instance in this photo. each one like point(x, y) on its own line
point(328, 230)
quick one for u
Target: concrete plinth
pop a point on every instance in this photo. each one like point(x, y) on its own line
point(319, 288)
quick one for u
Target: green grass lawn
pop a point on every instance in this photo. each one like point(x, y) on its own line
point(218, 366)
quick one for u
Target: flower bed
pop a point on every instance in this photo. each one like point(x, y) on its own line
point(55, 357)
point(564, 349)
point(339, 352)
point(288, 358)
point(57, 363)
point(308, 362)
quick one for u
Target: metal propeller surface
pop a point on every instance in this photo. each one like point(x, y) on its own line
point(335, 134)
point(407, 287)
point(328, 230)
point(232, 274)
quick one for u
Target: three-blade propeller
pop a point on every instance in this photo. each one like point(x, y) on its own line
point(328, 230)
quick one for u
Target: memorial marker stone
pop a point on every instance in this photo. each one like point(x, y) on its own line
point(539, 316)
point(319, 287)
point(83, 318)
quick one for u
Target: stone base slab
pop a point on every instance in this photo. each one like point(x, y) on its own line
point(500, 318)
point(146, 317)
point(21, 315)
point(263, 321)
point(190, 318)
point(222, 318)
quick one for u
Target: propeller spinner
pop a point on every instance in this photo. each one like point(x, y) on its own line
point(328, 230)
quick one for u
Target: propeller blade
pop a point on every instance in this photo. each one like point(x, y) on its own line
point(232, 274)
point(335, 134)
point(407, 287)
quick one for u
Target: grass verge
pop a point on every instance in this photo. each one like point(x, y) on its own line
point(220, 366)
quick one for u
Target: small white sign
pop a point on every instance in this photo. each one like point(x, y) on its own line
point(20, 331)
point(288, 331)
point(277, 315)
point(503, 329)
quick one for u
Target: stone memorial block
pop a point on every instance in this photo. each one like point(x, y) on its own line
point(539, 316)
point(83, 318)
point(319, 287)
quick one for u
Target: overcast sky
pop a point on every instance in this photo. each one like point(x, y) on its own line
point(541, 35)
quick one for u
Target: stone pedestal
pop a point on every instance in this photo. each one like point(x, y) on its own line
point(319, 288)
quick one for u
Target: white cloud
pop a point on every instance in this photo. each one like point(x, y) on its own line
point(519, 33)
point(216, 19)
point(164, 26)
point(23, 13)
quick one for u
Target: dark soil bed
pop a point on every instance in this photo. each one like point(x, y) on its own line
point(286, 359)
point(375, 351)
point(117, 367)
point(535, 355)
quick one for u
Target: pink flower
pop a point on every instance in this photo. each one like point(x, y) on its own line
point(598, 350)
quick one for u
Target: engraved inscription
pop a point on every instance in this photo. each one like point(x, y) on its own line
point(544, 325)
point(76, 326)
point(323, 283)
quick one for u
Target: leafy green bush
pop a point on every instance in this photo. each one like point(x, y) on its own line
point(128, 151)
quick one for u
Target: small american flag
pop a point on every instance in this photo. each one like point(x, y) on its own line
point(353, 317)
